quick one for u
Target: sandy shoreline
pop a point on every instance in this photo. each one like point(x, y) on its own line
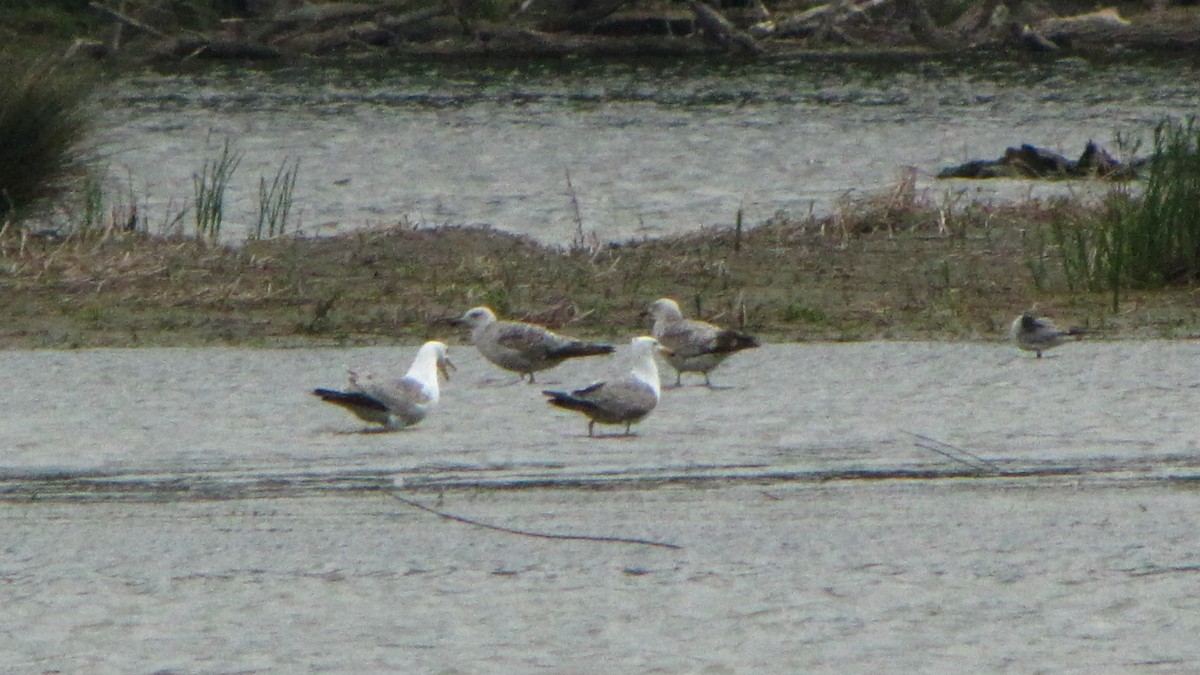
point(816, 534)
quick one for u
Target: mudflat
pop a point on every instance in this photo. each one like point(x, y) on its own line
point(839, 507)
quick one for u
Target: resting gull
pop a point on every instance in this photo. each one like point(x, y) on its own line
point(696, 346)
point(398, 403)
point(523, 347)
point(625, 400)
point(1037, 335)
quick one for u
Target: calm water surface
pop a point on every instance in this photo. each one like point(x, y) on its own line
point(198, 510)
point(649, 150)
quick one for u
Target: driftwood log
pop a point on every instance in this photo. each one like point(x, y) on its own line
point(1107, 28)
point(535, 28)
point(1102, 29)
point(719, 30)
point(922, 25)
point(215, 48)
point(574, 16)
point(819, 19)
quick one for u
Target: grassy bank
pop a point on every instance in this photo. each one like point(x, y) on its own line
point(892, 266)
point(849, 277)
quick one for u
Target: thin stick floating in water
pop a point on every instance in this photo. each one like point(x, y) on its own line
point(539, 535)
point(946, 450)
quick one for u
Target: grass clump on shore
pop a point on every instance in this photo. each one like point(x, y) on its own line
point(940, 272)
point(890, 266)
point(275, 200)
point(209, 187)
point(1142, 241)
point(44, 123)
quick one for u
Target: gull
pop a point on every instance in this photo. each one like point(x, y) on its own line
point(398, 403)
point(625, 400)
point(523, 348)
point(696, 346)
point(1037, 335)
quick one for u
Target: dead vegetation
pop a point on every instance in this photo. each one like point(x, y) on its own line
point(892, 267)
point(274, 29)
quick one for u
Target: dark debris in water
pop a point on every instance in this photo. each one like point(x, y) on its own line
point(1030, 161)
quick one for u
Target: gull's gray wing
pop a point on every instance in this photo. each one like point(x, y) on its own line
point(621, 400)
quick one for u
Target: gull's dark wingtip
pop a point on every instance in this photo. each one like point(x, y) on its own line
point(350, 398)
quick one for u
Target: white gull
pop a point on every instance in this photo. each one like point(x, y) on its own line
point(396, 403)
point(625, 400)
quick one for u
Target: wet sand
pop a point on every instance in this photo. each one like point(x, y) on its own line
point(198, 511)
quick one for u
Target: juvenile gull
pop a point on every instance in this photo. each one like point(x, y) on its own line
point(523, 347)
point(1037, 335)
point(398, 403)
point(622, 401)
point(696, 346)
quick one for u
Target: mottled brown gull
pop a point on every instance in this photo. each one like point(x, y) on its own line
point(625, 400)
point(396, 403)
point(696, 346)
point(523, 348)
point(1037, 335)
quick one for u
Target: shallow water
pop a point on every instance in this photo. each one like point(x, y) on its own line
point(793, 410)
point(199, 511)
point(650, 150)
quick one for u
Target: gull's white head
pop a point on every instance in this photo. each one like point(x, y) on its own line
point(644, 368)
point(432, 357)
point(646, 346)
point(643, 345)
point(665, 309)
point(477, 317)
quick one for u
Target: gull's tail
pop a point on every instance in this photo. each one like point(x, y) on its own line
point(730, 341)
point(562, 399)
point(578, 348)
point(350, 399)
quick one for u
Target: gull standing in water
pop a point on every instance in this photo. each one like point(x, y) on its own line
point(626, 400)
point(399, 403)
point(1037, 335)
point(696, 346)
point(523, 348)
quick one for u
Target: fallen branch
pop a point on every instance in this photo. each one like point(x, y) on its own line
point(828, 16)
point(1106, 28)
point(526, 533)
point(717, 29)
point(127, 20)
point(575, 16)
point(922, 26)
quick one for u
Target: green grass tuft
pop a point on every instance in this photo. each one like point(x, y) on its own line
point(209, 192)
point(44, 122)
point(275, 201)
point(1145, 241)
